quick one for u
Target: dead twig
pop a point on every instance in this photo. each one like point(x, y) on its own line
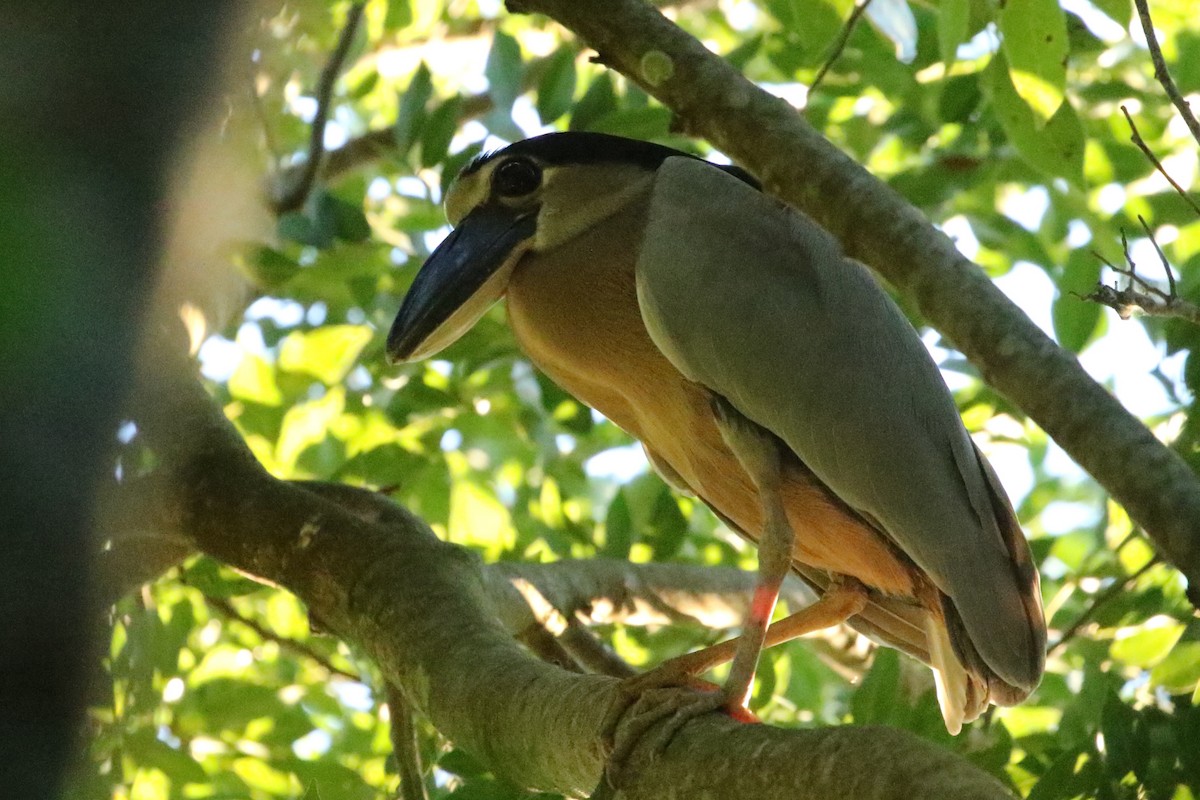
point(1141, 296)
point(1162, 74)
point(294, 195)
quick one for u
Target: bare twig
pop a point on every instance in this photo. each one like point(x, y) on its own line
point(294, 195)
point(1099, 600)
point(840, 45)
point(227, 609)
point(1136, 137)
point(1162, 74)
point(405, 746)
point(1149, 299)
point(1161, 257)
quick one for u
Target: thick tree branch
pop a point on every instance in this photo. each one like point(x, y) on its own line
point(420, 608)
point(878, 227)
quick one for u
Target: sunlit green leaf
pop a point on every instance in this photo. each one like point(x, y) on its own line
point(1055, 147)
point(953, 16)
point(325, 353)
point(1146, 646)
point(1034, 36)
point(1180, 670)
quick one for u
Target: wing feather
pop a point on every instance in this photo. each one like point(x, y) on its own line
point(753, 300)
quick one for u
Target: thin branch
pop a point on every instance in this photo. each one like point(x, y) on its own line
point(405, 746)
point(1098, 602)
point(592, 652)
point(840, 44)
point(227, 609)
point(548, 648)
point(294, 196)
point(1149, 300)
point(1136, 137)
point(1162, 74)
point(1162, 257)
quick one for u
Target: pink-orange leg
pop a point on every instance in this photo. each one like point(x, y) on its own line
point(759, 453)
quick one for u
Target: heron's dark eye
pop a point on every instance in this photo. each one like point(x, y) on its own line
point(517, 177)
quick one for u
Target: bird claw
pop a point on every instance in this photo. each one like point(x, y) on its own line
point(649, 711)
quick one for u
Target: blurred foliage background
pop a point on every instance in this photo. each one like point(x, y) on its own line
point(1014, 143)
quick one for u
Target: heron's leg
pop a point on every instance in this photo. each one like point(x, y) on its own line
point(844, 598)
point(647, 700)
point(759, 453)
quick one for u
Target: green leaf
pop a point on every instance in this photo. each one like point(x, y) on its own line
point(307, 424)
point(503, 71)
point(668, 527)
point(651, 122)
point(1179, 672)
point(876, 699)
point(953, 16)
point(557, 86)
point(618, 528)
point(1121, 11)
point(1035, 46)
point(599, 99)
point(1076, 319)
point(1149, 643)
point(327, 353)
point(1056, 147)
point(177, 765)
point(411, 116)
point(439, 130)
point(399, 15)
point(268, 267)
point(1116, 724)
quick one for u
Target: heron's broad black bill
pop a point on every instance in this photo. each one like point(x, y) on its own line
point(455, 271)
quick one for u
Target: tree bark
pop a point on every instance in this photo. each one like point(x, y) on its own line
point(422, 610)
point(878, 227)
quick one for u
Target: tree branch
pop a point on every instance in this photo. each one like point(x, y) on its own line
point(299, 648)
point(420, 609)
point(878, 227)
point(294, 195)
point(1162, 74)
point(1135, 136)
point(860, 8)
point(1149, 299)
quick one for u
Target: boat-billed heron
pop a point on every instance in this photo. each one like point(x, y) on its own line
point(765, 373)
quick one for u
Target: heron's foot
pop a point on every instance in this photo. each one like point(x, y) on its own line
point(651, 709)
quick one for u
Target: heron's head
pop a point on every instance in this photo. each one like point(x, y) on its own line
point(530, 197)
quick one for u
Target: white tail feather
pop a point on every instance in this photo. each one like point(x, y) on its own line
point(948, 676)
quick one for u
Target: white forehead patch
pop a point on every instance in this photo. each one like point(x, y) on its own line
point(469, 191)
